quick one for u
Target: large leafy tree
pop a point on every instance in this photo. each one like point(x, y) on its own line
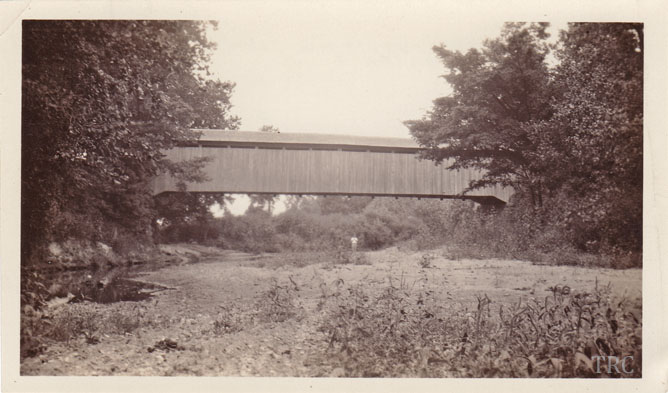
point(497, 92)
point(567, 138)
point(590, 151)
point(101, 101)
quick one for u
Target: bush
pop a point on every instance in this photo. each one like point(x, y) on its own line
point(279, 303)
point(403, 333)
point(345, 257)
point(39, 327)
point(464, 228)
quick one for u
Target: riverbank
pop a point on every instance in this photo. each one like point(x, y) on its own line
point(238, 314)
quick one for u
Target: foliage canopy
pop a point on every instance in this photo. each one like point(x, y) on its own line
point(567, 137)
point(101, 100)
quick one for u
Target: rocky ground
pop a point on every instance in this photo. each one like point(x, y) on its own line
point(234, 314)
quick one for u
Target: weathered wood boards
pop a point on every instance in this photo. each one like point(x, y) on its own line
point(255, 162)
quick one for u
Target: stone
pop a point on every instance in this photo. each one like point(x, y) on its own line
point(55, 249)
point(104, 248)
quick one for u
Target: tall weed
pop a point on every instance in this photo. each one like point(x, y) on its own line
point(405, 333)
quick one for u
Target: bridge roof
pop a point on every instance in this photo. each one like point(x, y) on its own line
point(257, 138)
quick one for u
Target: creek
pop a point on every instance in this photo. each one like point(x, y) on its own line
point(102, 285)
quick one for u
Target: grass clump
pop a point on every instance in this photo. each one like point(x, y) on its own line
point(426, 260)
point(88, 321)
point(232, 318)
point(279, 303)
point(347, 257)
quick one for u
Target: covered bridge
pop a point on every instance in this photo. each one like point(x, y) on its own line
point(316, 164)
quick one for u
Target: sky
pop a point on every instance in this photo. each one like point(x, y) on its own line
point(338, 68)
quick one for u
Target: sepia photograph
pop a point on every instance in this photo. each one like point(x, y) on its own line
point(331, 191)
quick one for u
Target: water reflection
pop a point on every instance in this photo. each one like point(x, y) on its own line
point(105, 286)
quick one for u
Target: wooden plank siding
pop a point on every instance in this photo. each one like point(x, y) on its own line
point(299, 165)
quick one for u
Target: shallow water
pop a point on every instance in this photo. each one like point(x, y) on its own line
point(102, 286)
point(118, 290)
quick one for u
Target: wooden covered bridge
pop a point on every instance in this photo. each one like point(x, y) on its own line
point(244, 162)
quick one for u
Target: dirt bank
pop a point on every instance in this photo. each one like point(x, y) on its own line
point(224, 315)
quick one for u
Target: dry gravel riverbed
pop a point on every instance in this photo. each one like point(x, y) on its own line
point(225, 315)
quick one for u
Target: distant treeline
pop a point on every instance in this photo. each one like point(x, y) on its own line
point(461, 229)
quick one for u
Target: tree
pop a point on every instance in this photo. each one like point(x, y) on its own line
point(101, 101)
point(187, 216)
point(270, 129)
point(590, 151)
point(264, 202)
point(567, 138)
point(497, 92)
